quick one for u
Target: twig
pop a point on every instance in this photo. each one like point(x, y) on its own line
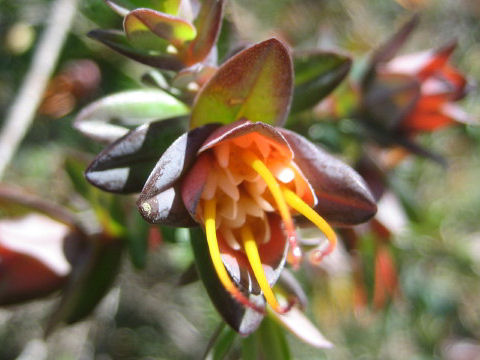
point(23, 109)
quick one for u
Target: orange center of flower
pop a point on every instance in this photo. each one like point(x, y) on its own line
point(251, 176)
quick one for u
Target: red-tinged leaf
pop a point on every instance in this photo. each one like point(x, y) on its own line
point(317, 74)
point(207, 23)
point(148, 29)
point(298, 324)
point(36, 252)
point(116, 40)
point(124, 166)
point(111, 117)
point(241, 319)
point(160, 200)
point(93, 275)
point(343, 197)
point(255, 84)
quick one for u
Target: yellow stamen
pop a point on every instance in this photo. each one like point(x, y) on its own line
point(253, 256)
point(211, 233)
point(298, 204)
point(256, 164)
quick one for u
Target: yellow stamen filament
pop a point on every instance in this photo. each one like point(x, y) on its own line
point(250, 247)
point(299, 205)
point(211, 233)
point(256, 164)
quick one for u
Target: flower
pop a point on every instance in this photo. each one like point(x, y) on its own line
point(438, 84)
point(240, 181)
point(413, 93)
point(244, 183)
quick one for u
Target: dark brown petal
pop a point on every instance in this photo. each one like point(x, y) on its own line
point(241, 319)
point(124, 166)
point(160, 199)
point(389, 49)
point(243, 127)
point(343, 196)
point(193, 183)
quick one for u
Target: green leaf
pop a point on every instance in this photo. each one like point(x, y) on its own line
point(137, 239)
point(251, 347)
point(224, 343)
point(256, 84)
point(316, 75)
point(93, 274)
point(148, 29)
point(111, 117)
point(273, 342)
point(100, 13)
point(74, 169)
point(116, 40)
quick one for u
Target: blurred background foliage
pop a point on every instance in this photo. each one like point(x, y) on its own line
point(436, 311)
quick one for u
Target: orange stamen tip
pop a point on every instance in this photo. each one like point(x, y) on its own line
point(295, 253)
point(285, 309)
point(299, 205)
point(317, 256)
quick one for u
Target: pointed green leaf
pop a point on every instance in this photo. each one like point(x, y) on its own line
point(111, 117)
point(255, 84)
point(74, 169)
point(137, 238)
point(149, 29)
point(274, 344)
point(223, 344)
point(116, 40)
point(316, 75)
point(207, 23)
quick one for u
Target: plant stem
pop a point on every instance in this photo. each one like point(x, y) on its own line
point(22, 111)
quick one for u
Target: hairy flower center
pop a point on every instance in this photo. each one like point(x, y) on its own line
point(251, 176)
